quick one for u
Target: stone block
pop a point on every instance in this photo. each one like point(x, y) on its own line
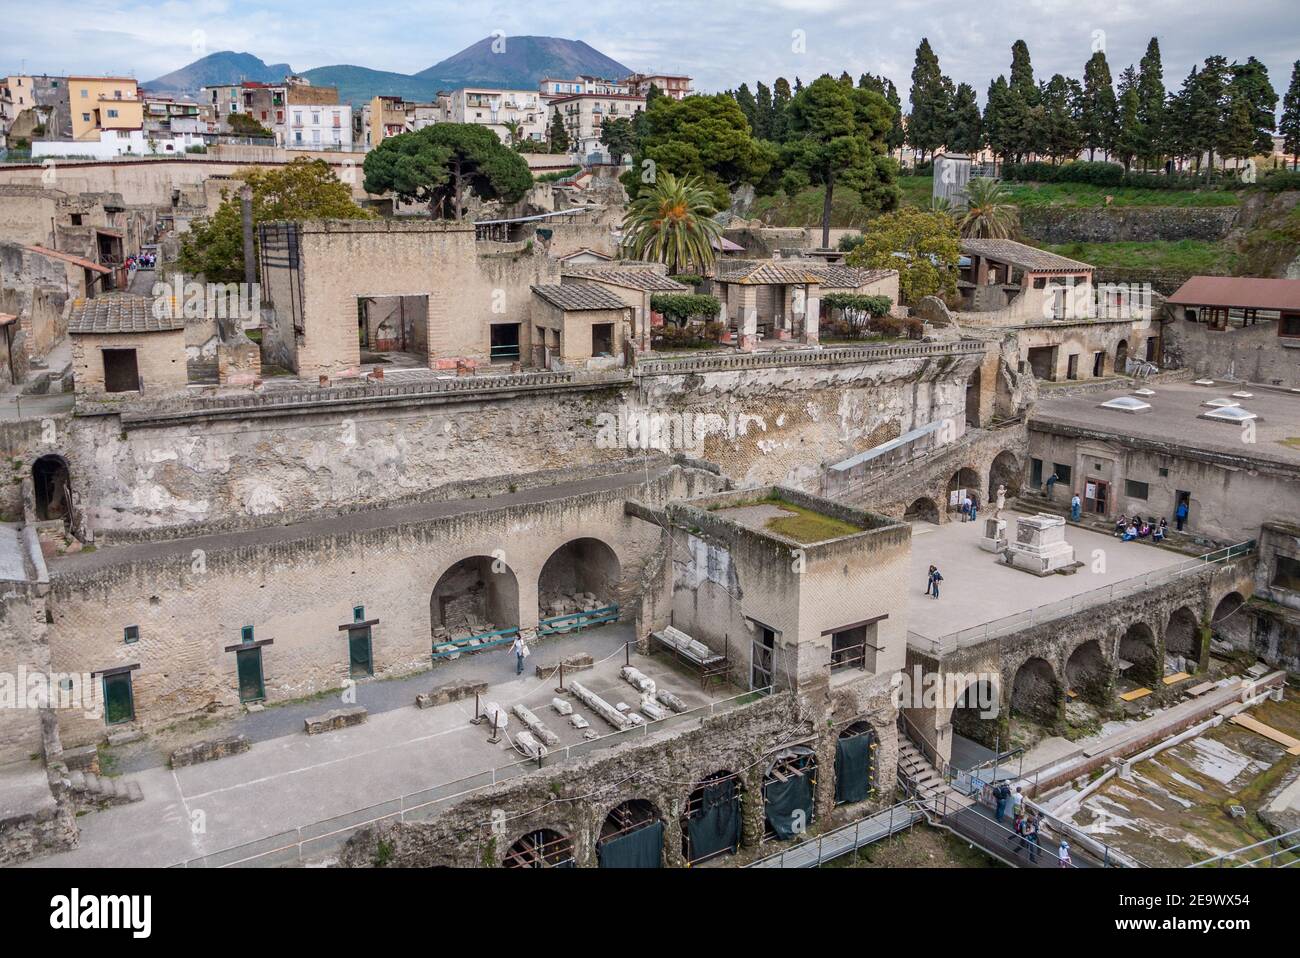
point(84, 758)
point(561, 707)
point(577, 721)
point(536, 726)
point(209, 750)
point(335, 719)
point(670, 700)
point(637, 679)
point(451, 692)
point(579, 662)
point(1039, 546)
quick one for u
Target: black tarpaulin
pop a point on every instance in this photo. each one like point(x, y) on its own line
point(715, 826)
point(787, 803)
point(641, 848)
point(853, 768)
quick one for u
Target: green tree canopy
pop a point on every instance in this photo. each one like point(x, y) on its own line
point(670, 221)
point(931, 95)
point(619, 137)
point(1289, 126)
point(1098, 108)
point(303, 190)
point(1152, 116)
point(838, 136)
point(705, 137)
point(965, 128)
point(439, 164)
point(557, 134)
point(922, 246)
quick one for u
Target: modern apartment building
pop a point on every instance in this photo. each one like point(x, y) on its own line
point(586, 113)
point(513, 114)
point(675, 85)
point(104, 105)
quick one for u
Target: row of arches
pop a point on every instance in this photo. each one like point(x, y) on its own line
point(483, 590)
point(1037, 692)
point(710, 823)
point(1005, 470)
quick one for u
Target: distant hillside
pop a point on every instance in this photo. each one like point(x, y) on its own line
point(522, 63)
point(358, 84)
point(216, 69)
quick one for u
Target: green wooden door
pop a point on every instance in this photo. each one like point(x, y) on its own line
point(119, 703)
point(249, 665)
point(359, 653)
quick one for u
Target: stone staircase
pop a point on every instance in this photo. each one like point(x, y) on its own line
point(93, 791)
point(926, 782)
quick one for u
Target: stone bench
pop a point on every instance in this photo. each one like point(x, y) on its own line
point(452, 692)
point(335, 719)
point(210, 750)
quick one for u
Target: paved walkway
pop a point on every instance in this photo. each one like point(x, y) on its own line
point(288, 780)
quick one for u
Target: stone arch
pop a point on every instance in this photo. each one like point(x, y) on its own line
point(52, 487)
point(1088, 673)
point(1121, 357)
point(1183, 635)
point(1035, 692)
point(922, 509)
point(975, 709)
point(540, 848)
point(789, 790)
point(1005, 470)
point(473, 594)
point(855, 762)
point(1138, 647)
point(580, 567)
point(623, 842)
point(968, 479)
point(1229, 623)
point(712, 817)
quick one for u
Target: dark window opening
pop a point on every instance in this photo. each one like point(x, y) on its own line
point(1072, 366)
point(360, 663)
point(505, 343)
point(246, 634)
point(602, 339)
point(1136, 490)
point(1098, 364)
point(1286, 573)
point(854, 648)
point(1063, 473)
point(52, 488)
point(131, 634)
point(121, 373)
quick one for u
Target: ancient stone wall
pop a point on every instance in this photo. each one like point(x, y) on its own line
point(1253, 353)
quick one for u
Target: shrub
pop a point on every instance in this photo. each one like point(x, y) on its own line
point(687, 279)
point(563, 174)
point(680, 308)
point(683, 337)
point(1111, 175)
point(858, 303)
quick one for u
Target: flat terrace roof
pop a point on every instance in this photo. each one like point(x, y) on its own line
point(1174, 419)
point(977, 588)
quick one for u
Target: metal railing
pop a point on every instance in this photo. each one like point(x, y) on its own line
point(845, 839)
point(305, 842)
point(1280, 851)
point(1075, 604)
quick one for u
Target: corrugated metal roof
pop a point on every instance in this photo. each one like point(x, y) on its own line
point(579, 296)
point(119, 313)
point(1240, 292)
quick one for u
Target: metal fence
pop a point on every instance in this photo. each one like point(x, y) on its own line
point(1280, 851)
point(1073, 605)
point(305, 842)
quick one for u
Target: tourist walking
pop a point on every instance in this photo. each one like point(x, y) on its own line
point(1180, 514)
point(1076, 508)
point(521, 652)
point(1032, 834)
point(1018, 801)
point(974, 507)
point(1063, 856)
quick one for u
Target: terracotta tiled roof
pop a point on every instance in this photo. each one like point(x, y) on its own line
point(119, 313)
point(768, 274)
point(645, 279)
point(1018, 254)
point(579, 296)
point(69, 258)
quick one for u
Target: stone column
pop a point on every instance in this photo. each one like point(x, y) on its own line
point(785, 300)
point(812, 311)
point(748, 318)
point(751, 807)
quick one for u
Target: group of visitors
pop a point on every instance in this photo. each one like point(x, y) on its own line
point(1129, 528)
point(145, 260)
point(1026, 824)
point(970, 507)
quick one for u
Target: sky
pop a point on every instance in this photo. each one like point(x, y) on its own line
point(721, 43)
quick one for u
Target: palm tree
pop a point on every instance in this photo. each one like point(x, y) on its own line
point(989, 212)
point(671, 221)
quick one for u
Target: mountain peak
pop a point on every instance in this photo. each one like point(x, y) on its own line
point(224, 66)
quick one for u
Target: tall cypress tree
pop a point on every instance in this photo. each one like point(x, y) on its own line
point(1152, 111)
point(1250, 84)
point(1128, 131)
point(748, 105)
point(965, 134)
point(930, 103)
point(781, 95)
point(1289, 126)
point(1098, 110)
point(763, 111)
point(997, 131)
